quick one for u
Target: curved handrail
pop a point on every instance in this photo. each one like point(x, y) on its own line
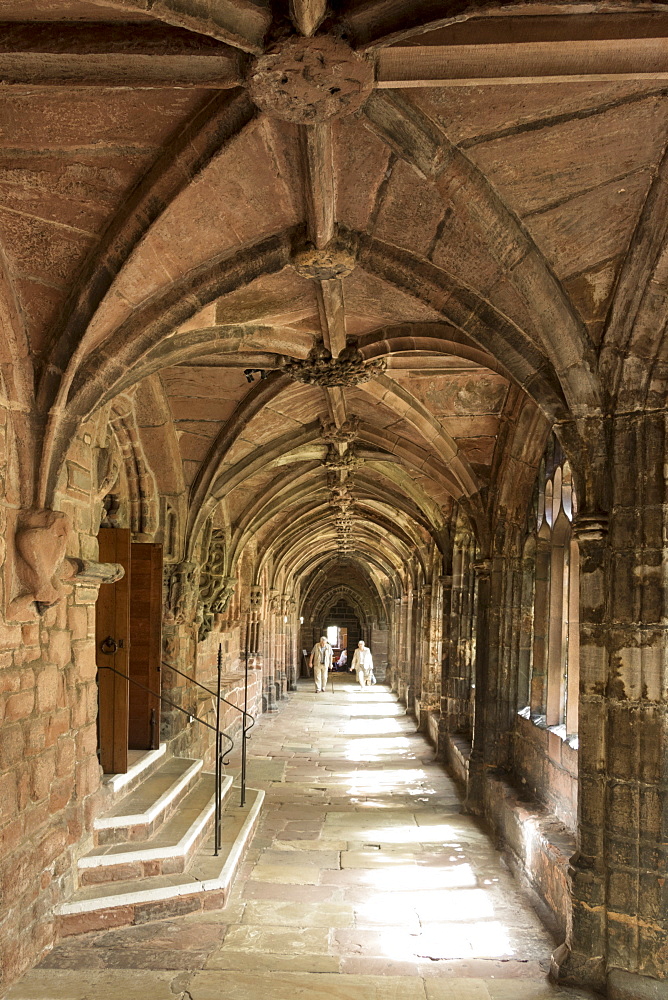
point(163, 697)
point(246, 726)
point(247, 715)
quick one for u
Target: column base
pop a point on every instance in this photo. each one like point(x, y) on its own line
point(631, 986)
point(269, 699)
point(571, 968)
point(473, 804)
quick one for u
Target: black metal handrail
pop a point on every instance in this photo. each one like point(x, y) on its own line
point(211, 692)
point(220, 756)
point(245, 726)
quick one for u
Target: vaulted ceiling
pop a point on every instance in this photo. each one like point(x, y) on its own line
point(408, 220)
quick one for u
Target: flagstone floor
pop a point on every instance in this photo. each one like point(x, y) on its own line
point(364, 882)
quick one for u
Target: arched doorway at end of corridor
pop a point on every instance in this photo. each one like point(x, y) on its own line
point(341, 624)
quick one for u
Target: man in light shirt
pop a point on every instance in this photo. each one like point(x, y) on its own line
point(363, 665)
point(320, 660)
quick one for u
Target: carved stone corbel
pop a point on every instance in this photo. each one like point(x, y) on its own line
point(42, 570)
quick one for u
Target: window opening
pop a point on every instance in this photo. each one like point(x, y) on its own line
point(552, 611)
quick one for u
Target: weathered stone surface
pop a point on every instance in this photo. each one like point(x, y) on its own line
point(310, 80)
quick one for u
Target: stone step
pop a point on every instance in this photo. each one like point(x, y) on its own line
point(141, 764)
point(168, 851)
point(205, 886)
point(137, 816)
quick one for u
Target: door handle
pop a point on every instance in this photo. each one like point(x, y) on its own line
point(108, 646)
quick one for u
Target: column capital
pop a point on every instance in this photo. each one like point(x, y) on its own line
point(483, 567)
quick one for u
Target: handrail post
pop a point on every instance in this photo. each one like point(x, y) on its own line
point(244, 736)
point(218, 779)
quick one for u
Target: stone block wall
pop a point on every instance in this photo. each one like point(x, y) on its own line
point(547, 766)
point(49, 770)
point(540, 845)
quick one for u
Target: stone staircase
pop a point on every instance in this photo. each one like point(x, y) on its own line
point(153, 854)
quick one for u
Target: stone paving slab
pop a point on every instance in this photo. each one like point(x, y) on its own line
point(303, 986)
point(364, 882)
point(42, 984)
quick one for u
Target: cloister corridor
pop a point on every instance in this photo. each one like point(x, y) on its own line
point(364, 881)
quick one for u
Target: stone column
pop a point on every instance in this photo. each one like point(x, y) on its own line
point(291, 643)
point(430, 695)
point(501, 691)
point(272, 682)
point(394, 652)
point(445, 721)
point(466, 634)
point(407, 665)
point(582, 958)
point(419, 660)
point(455, 682)
point(620, 907)
point(477, 763)
point(401, 659)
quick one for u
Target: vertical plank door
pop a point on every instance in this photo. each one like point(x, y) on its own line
point(145, 644)
point(112, 641)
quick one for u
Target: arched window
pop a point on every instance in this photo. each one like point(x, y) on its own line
point(554, 667)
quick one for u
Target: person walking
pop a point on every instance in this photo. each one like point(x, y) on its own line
point(363, 665)
point(320, 661)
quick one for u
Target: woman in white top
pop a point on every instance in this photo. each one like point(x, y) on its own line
point(363, 664)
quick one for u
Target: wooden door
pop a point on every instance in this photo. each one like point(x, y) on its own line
point(145, 644)
point(112, 641)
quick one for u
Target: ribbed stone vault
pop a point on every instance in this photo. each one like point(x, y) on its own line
point(309, 286)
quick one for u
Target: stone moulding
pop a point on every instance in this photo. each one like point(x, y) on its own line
point(320, 368)
point(42, 571)
point(89, 573)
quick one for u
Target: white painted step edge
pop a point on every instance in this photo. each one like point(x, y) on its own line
point(160, 804)
point(158, 853)
point(118, 781)
point(170, 892)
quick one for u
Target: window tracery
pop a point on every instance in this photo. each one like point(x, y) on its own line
point(549, 655)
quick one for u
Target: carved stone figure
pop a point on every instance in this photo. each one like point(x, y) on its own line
point(41, 541)
point(320, 368)
point(215, 590)
point(323, 265)
point(110, 508)
point(341, 463)
point(224, 595)
point(310, 80)
point(181, 598)
point(347, 432)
